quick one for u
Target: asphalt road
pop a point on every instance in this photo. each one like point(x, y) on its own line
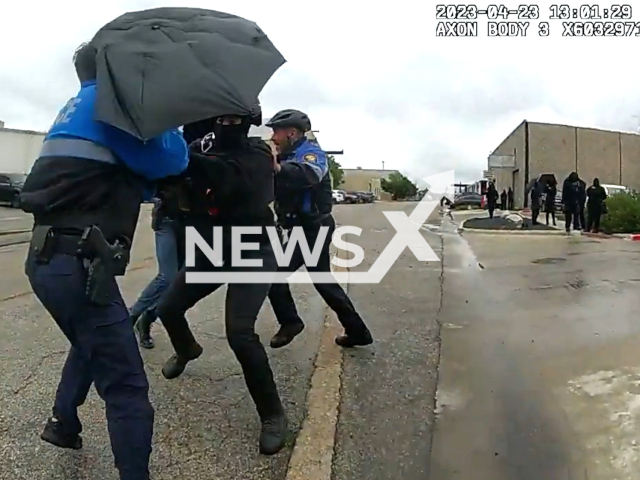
point(206, 425)
point(516, 357)
point(540, 366)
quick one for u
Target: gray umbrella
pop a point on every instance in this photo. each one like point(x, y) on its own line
point(166, 67)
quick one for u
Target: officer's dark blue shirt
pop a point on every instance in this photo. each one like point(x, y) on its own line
point(303, 185)
point(160, 157)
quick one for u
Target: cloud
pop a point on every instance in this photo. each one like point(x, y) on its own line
point(375, 81)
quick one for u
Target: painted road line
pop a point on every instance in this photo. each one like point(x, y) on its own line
point(312, 456)
point(144, 263)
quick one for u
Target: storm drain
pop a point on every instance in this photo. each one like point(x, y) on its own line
point(577, 284)
point(549, 260)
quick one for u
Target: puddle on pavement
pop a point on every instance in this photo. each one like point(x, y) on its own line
point(451, 326)
point(577, 284)
point(449, 400)
point(604, 409)
point(549, 260)
point(431, 227)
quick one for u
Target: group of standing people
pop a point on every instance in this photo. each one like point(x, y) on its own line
point(543, 197)
point(85, 191)
point(506, 199)
point(576, 196)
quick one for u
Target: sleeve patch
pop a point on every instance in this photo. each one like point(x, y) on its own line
point(310, 157)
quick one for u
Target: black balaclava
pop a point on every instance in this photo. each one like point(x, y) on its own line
point(85, 62)
point(231, 136)
point(197, 130)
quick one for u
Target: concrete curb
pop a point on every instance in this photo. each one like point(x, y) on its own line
point(622, 236)
point(485, 231)
point(313, 451)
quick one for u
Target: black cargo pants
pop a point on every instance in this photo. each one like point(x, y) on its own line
point(242, 305)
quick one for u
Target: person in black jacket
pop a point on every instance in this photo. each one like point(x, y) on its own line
point(232, 180)
point(510, 202)
point(571, 197)
point(550, 192)
point(583, 200)
point(503, 200)
point(535, 194)
point(492, 198)
point(596, 197)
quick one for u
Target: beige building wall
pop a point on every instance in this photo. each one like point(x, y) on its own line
point(613, 157)
point(599, 155)
point(630, 168)
point(552, 149)
point(364, 180)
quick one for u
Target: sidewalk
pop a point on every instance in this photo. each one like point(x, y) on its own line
point(542, 218)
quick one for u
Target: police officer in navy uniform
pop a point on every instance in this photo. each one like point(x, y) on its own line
point(232, 181)
point(84, 192)
point(303, 198)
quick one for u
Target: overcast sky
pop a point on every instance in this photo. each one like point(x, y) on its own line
point(375, 81)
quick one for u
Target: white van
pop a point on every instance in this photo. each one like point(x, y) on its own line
point(613, 189)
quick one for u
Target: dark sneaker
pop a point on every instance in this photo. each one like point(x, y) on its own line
point(174, 367)
point(352, 340)
point(142, 328)
point(286, 334)
point(54, 434)
point(273, 434)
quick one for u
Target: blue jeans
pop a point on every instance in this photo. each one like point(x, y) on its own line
point(170, 261)
point(104, 352)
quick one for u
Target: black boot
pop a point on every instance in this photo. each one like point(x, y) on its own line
point(54, 434)
point(351, 340)
point(286, 334)
point(273, 434)
point(174, 367)
point(143, 329)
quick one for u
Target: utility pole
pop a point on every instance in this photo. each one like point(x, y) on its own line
point(383, 165)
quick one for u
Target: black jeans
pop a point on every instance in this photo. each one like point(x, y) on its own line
point(594, 213)
point(242, 305)
point(535, 212)
point(332, 293)
point(551, 211)
point(572, 215)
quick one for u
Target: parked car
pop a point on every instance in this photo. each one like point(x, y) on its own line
point(468, 200)
point(350, 197)
point(366, 197)
point(10, 188)
point(337, 196)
